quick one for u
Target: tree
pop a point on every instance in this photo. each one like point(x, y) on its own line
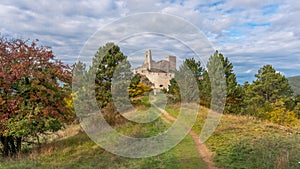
point(205, 90)
point(196, 68)
point(188, 79)
point(173, 92)
point(215, 70)
point(111, 67)
point(268, 88)
point(271, 85)
point(80, 95)
point(189, 72)
point(221, 70)
point(33, 85)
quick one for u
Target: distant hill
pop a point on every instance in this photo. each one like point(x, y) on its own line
point(295, 83)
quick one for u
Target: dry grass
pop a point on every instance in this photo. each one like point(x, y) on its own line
point(246, 142)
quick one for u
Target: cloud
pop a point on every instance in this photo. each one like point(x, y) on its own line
point(63, 25)
point(250, 32)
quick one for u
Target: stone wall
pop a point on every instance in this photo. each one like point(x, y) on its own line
point(160, 80)
point(161, 66)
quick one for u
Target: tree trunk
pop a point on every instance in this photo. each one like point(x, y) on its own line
point(4, 142)
point(19, 143)
point(11, 146)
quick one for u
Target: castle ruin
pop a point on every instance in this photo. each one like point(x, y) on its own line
point(159, 73)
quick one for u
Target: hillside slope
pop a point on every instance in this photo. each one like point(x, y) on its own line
point(295, 83)
point(238, 142)
point(246, 142)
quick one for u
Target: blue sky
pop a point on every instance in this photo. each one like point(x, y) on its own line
point(251, 33)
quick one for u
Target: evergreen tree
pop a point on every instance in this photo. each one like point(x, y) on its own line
point(220, 67)
point(196, 68)
point(188, 79)
point(217, 80)
point(271, 85)
point(268, 88)
point(205, 90)
point(111, 68)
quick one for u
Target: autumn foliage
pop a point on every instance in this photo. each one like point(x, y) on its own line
point(32, 92)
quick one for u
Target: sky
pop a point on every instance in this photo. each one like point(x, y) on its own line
point(251, 33)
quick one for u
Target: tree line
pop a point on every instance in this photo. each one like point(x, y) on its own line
point(269, 96)
point(36, 97)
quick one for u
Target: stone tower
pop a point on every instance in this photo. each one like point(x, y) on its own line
point(172, 63)
point(148, 59)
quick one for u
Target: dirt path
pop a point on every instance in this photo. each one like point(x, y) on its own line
point(202, 149)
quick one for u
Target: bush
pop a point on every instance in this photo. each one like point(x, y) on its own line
point(281, 115)
point(297, 110)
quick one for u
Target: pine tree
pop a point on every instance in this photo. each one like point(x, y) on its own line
point(268, 88)
point(112, 69)
point(205, 90)
point(219, 69)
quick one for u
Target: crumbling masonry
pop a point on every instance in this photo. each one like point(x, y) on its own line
point(159, 73)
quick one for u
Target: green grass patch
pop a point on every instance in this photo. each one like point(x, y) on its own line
point(78, 151)
point(246, 142)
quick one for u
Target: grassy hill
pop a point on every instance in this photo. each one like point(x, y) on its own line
point(238, 142)
point(295, 83)
point(245, 142)
point(76, 150)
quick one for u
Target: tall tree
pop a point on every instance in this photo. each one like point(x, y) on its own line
point(187, 79)
point(189, 72)
point(270, 86)
point(233, 90)
point(31, 92)
point(196, 68)
point(111, 67)
point(205, 90)
point(215, 70)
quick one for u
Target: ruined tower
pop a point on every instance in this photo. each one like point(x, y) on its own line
point(148, 60)
point(172, 63)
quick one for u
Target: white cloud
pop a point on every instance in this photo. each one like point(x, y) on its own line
point(250, 32)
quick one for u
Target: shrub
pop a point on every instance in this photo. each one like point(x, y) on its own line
point(281, 115)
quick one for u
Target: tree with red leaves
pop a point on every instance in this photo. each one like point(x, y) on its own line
point(32, 91)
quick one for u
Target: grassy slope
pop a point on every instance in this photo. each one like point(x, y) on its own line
point(79, 151)
point(238, 142)
point(295, 83)
point(245, 142)
point(76, 150)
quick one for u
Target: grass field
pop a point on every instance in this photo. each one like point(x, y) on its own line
point(238, 142)
point(78, 151)
point(75, 150)
point(245, 142)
